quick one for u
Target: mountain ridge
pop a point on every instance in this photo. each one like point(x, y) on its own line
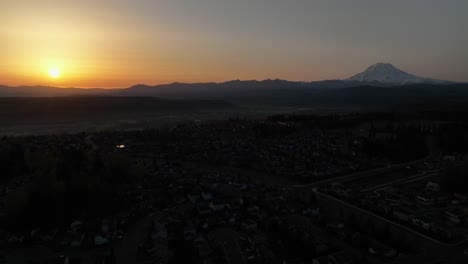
point(260, 91)
point(387, 73)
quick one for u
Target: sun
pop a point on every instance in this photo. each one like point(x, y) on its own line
point(54, 73)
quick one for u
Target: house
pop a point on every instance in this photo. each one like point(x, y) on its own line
point(189, 232)
point(423, 222)
point(340, 258)
point(402, 215)
point(444, 232)
point(179, 199)
point(253, 208)
point(432, 187)
point(207, 196)
point(218, 206)
point(76, 226)
point(460, 197)
point(393, 198)
point(311, 212)
point(425, 199)
point(337, 186)
point(321, 248)
point(77, 241)
point(204, 248)
point(48, 236)
point(336, 258)
point(15, 239)
point(203, 208)
point(454, 216)
point(455, 213)
point(100, 240)
point(344, 192)
point(249, 225)
point(321, 260)
point(449, 158)
point(441, 200)
point(390, 253)
point(383, 208)
point(193, 197)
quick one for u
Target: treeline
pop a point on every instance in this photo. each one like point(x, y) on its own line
point(403, 143)
point(453, 137)
point(340, 121)
point(454, 177)
point(85, 108)
point(61, 186)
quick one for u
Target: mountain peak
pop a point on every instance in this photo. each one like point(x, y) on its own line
point(383, 65)
point(387, 73)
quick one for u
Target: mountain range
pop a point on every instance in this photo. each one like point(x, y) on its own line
point(371, 86)
point(389, 74)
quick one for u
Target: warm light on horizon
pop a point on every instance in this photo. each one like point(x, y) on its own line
point(54, 73)
point(117, 44)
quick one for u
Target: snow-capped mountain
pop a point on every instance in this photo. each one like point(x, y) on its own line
point(387, 73)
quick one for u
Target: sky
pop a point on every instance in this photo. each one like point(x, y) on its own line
point(116, 43)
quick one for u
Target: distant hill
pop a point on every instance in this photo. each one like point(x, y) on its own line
point(381, 85)
point(274, 93)
point(30, 110)
point(323, 94)
point(46, 91)
point(226, 90)
point(389, 74)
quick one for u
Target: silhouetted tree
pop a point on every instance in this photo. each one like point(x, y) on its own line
point(454, 178)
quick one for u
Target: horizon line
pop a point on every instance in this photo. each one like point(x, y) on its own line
point(170, 83)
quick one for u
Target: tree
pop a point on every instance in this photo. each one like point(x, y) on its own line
point(454, 178)
point(16, 204)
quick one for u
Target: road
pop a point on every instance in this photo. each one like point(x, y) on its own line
point(453, 252)
point(407, 179)
point(315, 190)
point(361, 174)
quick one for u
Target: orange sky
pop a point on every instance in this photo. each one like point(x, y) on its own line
point(119, 43)
point(98, 50)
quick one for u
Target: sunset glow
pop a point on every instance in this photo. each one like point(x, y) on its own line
point(54, 73)
point(120, 43)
